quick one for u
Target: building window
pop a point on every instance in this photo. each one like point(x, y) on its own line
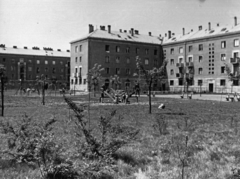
point(46, 69)
point(190, 59)
point(76, 59)
point(80, 59)
point(223, 44)
point(200, 47)
point(13, 60)
point(200, 70)
point(76, 48)
point(61, 70)
point(223, 57)
point(76, 81)
point(61, 62)
point(117, 49)
point(107, 70)
point(46, 62)
point(190, 48)
point(128, 60)
point(236, 42)
point(127, 50)
point(53, 62)
point(117, 60)
point(222, 82)
point(146, 51)
point(107, 48)
point(200, 58)
point(107, 59)
point(72, 81)
point(38, 70)
point(180, 50)
point(155, 62)
point(137, 50)
point(84, 81)
point(80, 81)
point(235, 54)
point(4, 59)
point(172, 61)
point(29, 68)
point(146, 61)
point(128, 71)
point(172, 51)
point(180, 60)
point(80, 48)
point(117, 71)
point(76, 69)
point(155, 51)
point(235, 82)
point(200, 82)
point(38, 61)
point(172, 72)
point(171, 82)
point(53, 70)
point(180, 81)
point(223, 69)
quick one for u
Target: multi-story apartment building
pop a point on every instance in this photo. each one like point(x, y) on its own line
point(26, 64)
point(201, 56)
point(116, 51)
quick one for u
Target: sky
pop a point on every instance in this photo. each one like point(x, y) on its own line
point(55, 23)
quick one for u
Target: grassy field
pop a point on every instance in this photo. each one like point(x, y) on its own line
point(188, 139)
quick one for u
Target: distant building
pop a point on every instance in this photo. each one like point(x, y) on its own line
point(202, 54)
point(116, 51)
point(26, 64)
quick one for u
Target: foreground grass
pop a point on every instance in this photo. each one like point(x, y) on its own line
point(189, 138)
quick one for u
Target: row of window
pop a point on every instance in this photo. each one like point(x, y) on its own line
point(30, 77)
point(200, 58)
point(127, 50)
point(200, 71)
point(200, 82)
point(30, 61)
point(117, 60)
point(78, 48)
point(200, 47)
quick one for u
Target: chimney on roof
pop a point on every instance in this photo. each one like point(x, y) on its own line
point(160, 35)
point(183, 31)
point(150, 33)
point(59, 50)
point(209, 26)
point(14, 46)
point(91, 28)
point(169, 34)
point(120, 30)
point(136, 32)
point(191, 30)
point(165, 34)
point(25, 47)
point(173, 34)
point(102, 27)
point(109, 29)
point(200, 27)
point(235, 21)
point(125, 31)
point(132, 31)
point(68, 50)
point(217, 24)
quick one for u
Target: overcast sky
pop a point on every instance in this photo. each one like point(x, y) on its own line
point(54, 23)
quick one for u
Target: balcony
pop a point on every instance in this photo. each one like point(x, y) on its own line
point(235, 60)
point(179, 75)
point(189, 64)
point(180, 65)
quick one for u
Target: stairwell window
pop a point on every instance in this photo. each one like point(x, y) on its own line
point(236, 42)
point(223, 44)
point(172, 72)
point(146, 61)
point(223, 57)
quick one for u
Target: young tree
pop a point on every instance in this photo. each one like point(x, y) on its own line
point(231, 75)
point(115, 81)
point(94, 76)
point(3, 80)
point(43, 82)
point(150, 76)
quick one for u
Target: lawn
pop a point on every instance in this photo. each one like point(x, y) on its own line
point(188, 139)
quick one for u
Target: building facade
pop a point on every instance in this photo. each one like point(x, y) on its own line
point(24, 65)
point(199, 57)
point(116, 52)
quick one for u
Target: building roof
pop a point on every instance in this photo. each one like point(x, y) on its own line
point(20, 51)
point(203, 33)
point(122, 36)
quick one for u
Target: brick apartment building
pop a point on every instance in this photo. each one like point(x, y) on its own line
point(26, 64)
point(202, 55)
point(116, 51)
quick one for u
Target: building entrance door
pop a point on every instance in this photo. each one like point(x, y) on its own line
point(211, 87)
